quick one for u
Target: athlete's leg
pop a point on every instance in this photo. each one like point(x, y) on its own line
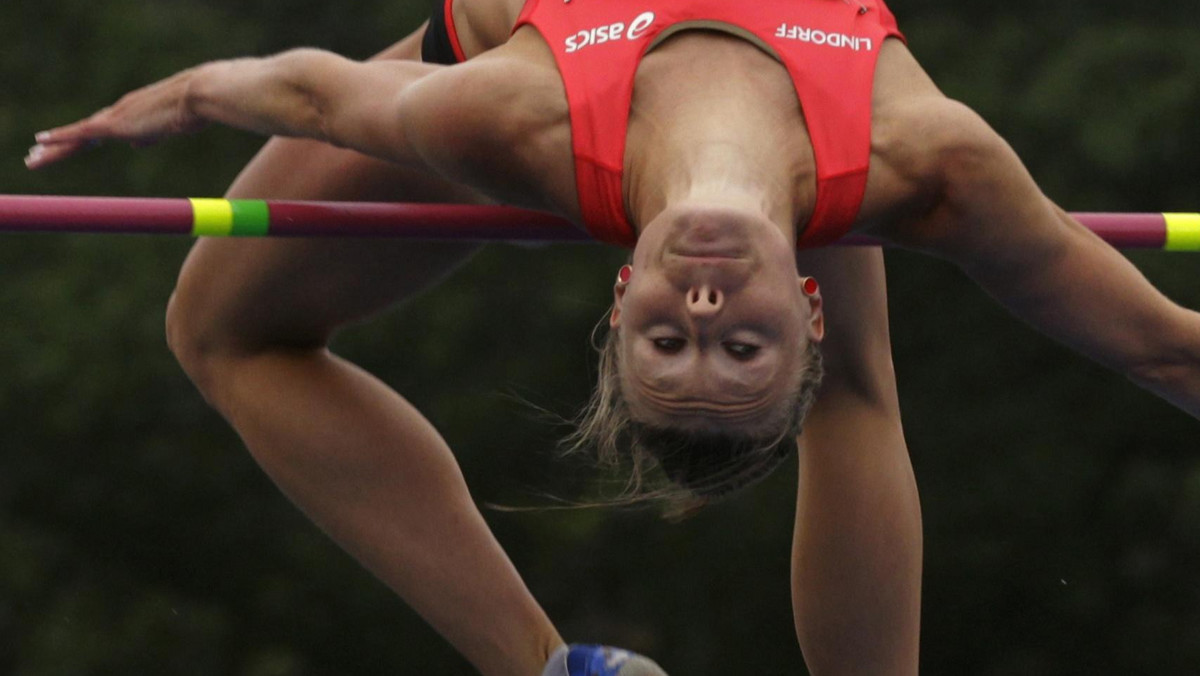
point(857, 551)
point(856, 558)
point(250, 320)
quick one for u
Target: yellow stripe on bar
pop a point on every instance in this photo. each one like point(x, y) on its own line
point(1183, 232)
point(211, 217)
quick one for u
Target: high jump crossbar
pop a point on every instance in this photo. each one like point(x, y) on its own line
point(207, 217)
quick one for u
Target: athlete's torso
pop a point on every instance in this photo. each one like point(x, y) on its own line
point(828, 48)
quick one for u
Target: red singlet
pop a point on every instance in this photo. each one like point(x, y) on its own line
point(829, 48)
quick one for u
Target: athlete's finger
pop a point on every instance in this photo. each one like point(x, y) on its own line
point(44, 154)
point(87, 129)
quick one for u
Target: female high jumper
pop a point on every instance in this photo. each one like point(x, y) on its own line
point(714, 138)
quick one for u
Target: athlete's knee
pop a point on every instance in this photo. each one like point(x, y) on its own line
point(211, 335)
point(1168, 358)
point(195, 345)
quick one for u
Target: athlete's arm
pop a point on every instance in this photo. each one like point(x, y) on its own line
point(857, 549)
point(991, 219)
point(303, 93)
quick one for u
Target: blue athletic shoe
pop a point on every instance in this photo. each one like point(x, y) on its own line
point(599, 660)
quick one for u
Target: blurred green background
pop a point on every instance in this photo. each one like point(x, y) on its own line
point(1062, 505)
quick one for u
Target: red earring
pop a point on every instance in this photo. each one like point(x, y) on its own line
point(624, 274)
point(810, 286)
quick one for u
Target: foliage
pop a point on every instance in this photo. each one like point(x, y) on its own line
point(1062, 506)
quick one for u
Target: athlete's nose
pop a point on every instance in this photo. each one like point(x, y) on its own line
point(704, 300)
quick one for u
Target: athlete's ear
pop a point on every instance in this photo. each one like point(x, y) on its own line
point(816, 306)
point(614, 318)
point(623, 277)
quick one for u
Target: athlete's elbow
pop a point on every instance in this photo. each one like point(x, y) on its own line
point(1177, 381)
point(1169, 365)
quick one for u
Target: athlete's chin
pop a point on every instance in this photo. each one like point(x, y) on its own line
point(711, 231)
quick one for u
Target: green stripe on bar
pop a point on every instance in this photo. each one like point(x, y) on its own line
point(224, 218)
point(251, 218)
point(1183, 232)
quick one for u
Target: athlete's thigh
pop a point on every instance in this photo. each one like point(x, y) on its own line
point(260, 292)
point(255, 293)
point(247, 295)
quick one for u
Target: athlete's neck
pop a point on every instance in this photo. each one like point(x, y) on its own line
point(715, 121)
point(711, 173)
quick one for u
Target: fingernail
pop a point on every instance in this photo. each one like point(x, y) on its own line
point(42, 136)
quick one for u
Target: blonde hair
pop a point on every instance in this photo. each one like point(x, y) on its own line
point(701, 466)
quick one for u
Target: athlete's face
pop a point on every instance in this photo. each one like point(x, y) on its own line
point(713, 321)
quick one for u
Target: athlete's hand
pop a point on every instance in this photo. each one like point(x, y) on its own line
point(141, 118)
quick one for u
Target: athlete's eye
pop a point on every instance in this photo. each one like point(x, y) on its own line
point(669, 345)
point(741, 351)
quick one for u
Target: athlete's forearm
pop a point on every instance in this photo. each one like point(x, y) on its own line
point(303, 93)
point(857, 549)
point(856, 564)
point(310, 93)
point(283, 95)
point(993, 221)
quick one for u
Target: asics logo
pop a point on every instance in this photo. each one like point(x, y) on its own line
point(820, 37)
point(610, 33)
